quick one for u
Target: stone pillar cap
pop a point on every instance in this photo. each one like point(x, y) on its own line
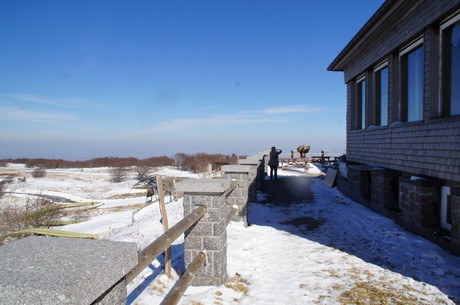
point(50, 270)
point(217, 186)
point(236, 169)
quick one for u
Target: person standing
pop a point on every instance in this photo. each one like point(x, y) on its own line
point(273, 162)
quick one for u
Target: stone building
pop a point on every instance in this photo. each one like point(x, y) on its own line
point(402, 73)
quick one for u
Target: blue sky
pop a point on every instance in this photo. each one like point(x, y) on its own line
point(85, 79)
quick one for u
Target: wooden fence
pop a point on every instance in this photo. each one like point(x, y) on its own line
point(163, 243)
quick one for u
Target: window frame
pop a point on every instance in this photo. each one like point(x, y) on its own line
point(445, 68)
point(360, 105)
point(446, 221)
point(378, 93)
point(403, 79)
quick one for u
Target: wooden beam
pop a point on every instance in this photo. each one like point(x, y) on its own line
point(158, 246)
point(177, 291)
point(164, 218)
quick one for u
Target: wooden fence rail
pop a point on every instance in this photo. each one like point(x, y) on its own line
point(181, 285)
point(157, 247)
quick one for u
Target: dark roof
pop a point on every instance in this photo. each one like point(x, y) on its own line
point(337, 63)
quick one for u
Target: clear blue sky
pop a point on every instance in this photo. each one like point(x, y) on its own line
point(85, 79)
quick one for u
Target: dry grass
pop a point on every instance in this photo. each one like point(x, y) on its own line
point(369, 293)
point(128, 195)
point(239, 284)
point(159, 287)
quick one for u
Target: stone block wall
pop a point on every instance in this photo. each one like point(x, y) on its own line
point(358, 184)
point(384, 191)
point(244, 177)
point(455, 217)
point(419, 202)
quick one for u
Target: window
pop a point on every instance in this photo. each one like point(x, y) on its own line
point(412, 77)
point(361, 103)
point(381, 94)
point(450, 65)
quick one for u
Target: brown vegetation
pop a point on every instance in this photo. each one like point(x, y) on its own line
point(37, 212)
point(197, 163)
point(3, 184)
point(39, 172)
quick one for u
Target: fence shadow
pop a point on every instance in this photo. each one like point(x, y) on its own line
point(178, 264)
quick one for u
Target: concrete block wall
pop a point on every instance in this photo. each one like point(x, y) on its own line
point(210, 232)
point(51, 270)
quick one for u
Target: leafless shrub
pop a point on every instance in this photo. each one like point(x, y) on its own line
point(118, 173)
point(3, 163)
point(39, 172)
point(37, 212)
point(3, 184)
point(199, 163)
point(142, 171)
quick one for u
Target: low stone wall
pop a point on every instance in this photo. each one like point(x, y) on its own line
point(358, 184)
point(237, 188)
point(384, 191)
point(51, 270)
point(414, 203)
point(455, 217)
point(419, 200)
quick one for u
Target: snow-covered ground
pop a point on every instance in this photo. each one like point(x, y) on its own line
point(336, 249)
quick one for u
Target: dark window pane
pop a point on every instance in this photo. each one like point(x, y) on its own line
point(455, 71)
point(415, 85)
point(383, 76)
point(363, 104)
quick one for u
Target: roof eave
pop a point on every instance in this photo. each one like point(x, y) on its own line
point(338, 64)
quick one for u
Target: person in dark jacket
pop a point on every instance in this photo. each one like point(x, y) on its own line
point(273, 162)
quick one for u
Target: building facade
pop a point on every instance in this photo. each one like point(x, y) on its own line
point(402, 73)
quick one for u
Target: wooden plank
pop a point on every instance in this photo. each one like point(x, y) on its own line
point(51, 232)
point(331, 175)
point(159, 245)
point(177, 291)
point(164, 217)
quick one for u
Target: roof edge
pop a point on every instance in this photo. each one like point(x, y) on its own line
point(382, 10)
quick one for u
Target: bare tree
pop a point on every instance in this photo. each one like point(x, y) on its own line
point(118, 173)
point(39, 172)
point(3, 184)
point(142, 171)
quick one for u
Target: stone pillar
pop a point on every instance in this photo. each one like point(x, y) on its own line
point(419, 199)
point(210, 232)
point(455, 218)
point(384, 191)
point(253, 185)
point(244, 176)
point(359, 183)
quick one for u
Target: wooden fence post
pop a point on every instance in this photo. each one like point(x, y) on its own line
point(164, 217)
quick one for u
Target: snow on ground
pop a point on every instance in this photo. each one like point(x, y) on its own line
point(318, 252)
